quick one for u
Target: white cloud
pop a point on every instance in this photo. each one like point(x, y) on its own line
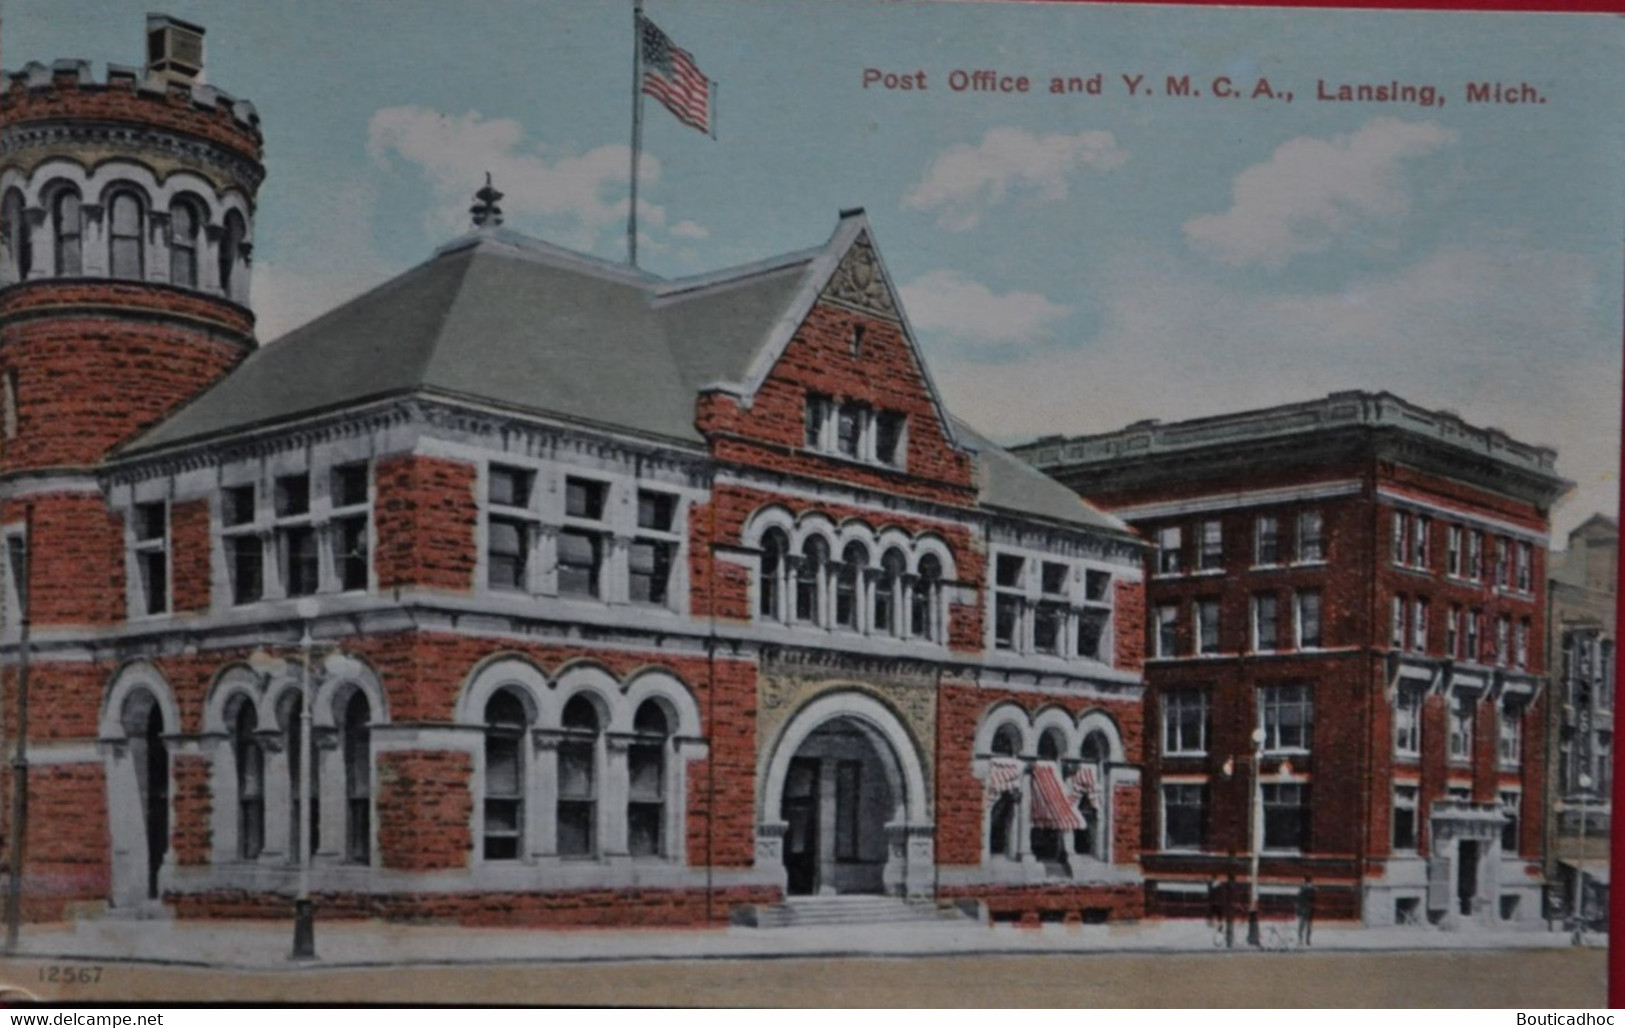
point(582, 197)
point(1312, 191)
point(964, 180)
point(1507, 337)
point(969, 313)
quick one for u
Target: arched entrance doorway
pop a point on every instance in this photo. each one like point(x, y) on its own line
point(844, 794)
point(139, 798)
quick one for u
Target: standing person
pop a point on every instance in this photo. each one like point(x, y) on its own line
point(1306, 911)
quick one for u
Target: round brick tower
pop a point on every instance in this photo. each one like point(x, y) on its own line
point(126, 220)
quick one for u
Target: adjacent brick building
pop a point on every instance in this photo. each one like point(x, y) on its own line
point(623, 600)
point(1349, 592)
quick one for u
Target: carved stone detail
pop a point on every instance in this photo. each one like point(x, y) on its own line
point(858, 283)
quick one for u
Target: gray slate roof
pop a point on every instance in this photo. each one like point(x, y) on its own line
point(507, 320)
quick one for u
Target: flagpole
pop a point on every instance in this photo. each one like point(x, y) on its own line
point(637, 130)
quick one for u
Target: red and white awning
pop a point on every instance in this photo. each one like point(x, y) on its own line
point(1051, 806)
point(1003, 775)
point(1084, 782)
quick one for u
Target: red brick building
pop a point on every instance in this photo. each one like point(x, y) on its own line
point(624, 600)
point(1360, 582)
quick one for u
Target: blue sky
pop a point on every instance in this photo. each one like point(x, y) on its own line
point(1070, 263)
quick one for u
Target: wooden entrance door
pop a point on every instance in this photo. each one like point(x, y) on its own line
point(800, 807)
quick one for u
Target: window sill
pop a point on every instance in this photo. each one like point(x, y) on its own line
point(860, 462)
point(1318, 562)
point(1207, 573)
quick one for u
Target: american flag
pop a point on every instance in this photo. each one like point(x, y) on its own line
point(671, 76)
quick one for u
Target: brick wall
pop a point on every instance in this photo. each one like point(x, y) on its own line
point(87, 382)
point(1128, 635)
point(68, 842)
point(424, 809)
point(190, 547)
point(425, 515)
point(77, 554)
point(192, 805)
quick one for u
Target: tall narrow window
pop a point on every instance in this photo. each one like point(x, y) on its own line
point(1096, 616)
point(67, 233)
point(925, 599)
point(1397, 623)
point(1509, 742)
point(1210, 553)
point(1168, 550)
point(295, 535)
point(1311, 537)
point(578, 779)
point(124, 229)
point(250, 761)
point(357, 780)
point(581, 541)
point(1267, 541)
point(1184, 816)
point(1421, 532)
point(646, 773)
point(652, 550)
point(508, 527)
point(1419, 625)
point(849, 585)
point(818, 414)
point(1207, 626)
point(1405, 818)
point(888, 592)
point(1520, 644)
point(1286, 816)
point(1475, 629)
point(770, 587)
point(14, 234)
point(245, 551)
point(1475, 555)
point(152, 555)
point(1266, 623)
point(1525, 565)
point(505, 722)
point(1307, 604)
point(810, 571)
point(1461, 728)
point(351, 517)
point(1400, 549)
point(1408, 722)
point(183, 235)
point(1511, 804)
point(1503, 561)
point(1452, 551)
point(231, 245)
point(1002, 818)
point(1286, 713)
point(891, 438)
point(1503, 639)
point(1009, 583)
point(1184, 722)
point(849, 426)
point(1050, 613)
point(1167, 637)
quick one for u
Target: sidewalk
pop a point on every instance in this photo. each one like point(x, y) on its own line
point(262, 945)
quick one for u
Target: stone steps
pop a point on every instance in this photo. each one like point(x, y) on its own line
point(803, 911)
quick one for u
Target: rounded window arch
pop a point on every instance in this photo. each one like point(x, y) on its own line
point(810, 571)
point(1005, 784)
point(1051, 744)
point(126, 228)
point(888, 591)
point(582, 725)
point(507, 717)
point(185, 231)
point(248, 759)
point(1006, 741)
point(924, 602)
point(234, 231)
point(849, 585)
point(67, 231)
point(15, 236)
point(775, 561)
point(356, 735)
point(647, 780)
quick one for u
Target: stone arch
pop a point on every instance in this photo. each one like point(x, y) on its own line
point(230, 682)
point(138, 719)
point(997, 716)
point(1098, 720)
point(132, 677)
point(865, 710)
point(501, 670)
point(771, 516)
point(340, 675)
point(930, 542)
point(672, 695)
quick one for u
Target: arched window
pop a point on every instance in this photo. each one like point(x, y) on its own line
point(1091, 781)
point(183, 236)
point(646, 776)
point(231, 244)
point(505, 722)
point(888, 592)
point(357, 780)
point(810, 579)
point(124, 235)
point(775, 558)
point(1001, 836)
point(250, 761)
point(923, 603)
point(14, 234)
point(67, 233)
point(849, 585)
point(1046, 838)
point(578, 779)
point(288, 713)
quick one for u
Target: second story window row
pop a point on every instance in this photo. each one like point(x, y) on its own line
point(598, 544)
point(285, 538)
point(1275, 540)
point(1051, 606)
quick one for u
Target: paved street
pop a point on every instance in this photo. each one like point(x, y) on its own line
point(1498, 978)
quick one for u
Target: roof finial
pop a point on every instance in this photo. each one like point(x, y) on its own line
point(487, 215)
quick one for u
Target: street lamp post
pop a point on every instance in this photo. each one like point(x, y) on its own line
point(1255, 828)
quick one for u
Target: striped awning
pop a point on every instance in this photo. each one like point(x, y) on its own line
point(1051, 807)
point(1003, 775)
point(1084, 782)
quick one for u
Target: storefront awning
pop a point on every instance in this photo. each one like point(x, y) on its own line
point(1051, 808)
point(1003, 775)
